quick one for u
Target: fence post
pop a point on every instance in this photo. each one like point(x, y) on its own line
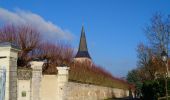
point(36, 79)
point(62, 80)
point(9, 55)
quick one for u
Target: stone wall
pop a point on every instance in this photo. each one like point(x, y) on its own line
point(48, 90)
point(78, 91)
point(24, 90)
point(24, 83)
point(57, 87)
point(71, 91)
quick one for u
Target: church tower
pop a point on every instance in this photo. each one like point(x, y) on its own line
point(83, 54)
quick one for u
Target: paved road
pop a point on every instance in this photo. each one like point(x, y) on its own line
point(125, 99)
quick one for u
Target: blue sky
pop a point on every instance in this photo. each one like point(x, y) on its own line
point(113, 27)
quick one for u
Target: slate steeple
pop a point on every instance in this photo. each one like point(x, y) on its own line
point(83, 50)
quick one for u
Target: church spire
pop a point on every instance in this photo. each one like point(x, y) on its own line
point(83, 50)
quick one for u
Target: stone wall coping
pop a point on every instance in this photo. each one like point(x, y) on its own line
point(78, 82)
point(9, 45)
point(36, 65)
point(63, 68)
point(49, 75)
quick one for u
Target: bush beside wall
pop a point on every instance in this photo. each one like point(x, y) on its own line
point(153, 89)
point(82, 73)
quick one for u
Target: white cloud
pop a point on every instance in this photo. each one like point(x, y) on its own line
point(47, 28)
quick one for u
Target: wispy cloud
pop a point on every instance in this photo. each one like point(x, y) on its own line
point(48, 29)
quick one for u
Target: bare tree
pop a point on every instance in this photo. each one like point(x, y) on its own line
point(149, 58)
point(28, 40)
point(8, 33)
point(26, 37)
point(158, 33)
point(55, 54)
point(145, 62)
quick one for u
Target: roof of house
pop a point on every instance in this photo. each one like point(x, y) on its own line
point(83, 50)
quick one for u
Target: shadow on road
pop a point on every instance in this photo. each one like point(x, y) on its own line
point(124, 99)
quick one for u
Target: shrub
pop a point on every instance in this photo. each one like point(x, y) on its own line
point(83, 73)
point(153, 89)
